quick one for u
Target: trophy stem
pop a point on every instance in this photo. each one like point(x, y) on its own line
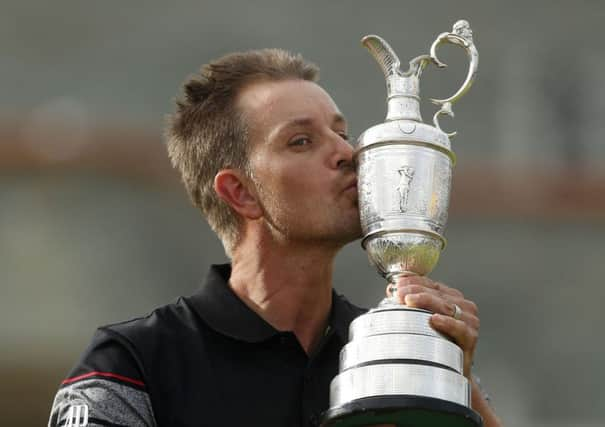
point(392, 280)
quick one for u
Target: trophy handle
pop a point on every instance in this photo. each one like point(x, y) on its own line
point(461, 35)
point(405, 84)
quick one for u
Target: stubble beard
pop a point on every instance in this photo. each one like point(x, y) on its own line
point(318, 226)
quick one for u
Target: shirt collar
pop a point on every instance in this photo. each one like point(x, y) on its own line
point(224, 312)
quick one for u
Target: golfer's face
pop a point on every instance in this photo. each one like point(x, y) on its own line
point(301, 161)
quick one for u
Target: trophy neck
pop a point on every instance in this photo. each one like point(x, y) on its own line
point(394, 277)
point(403, 101)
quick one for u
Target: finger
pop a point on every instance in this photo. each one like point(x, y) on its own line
point(441, 305)
point(463, 335)
point(471, 320)
point(402, 291)
point(431, 302)
point(449, 291)
point(469, 307)
point(447, 307)
point(429, 283)
point(466, 305)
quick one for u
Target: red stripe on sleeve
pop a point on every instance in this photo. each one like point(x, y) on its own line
point(103, 374)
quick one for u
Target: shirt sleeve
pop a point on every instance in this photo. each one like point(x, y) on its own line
point(106, 388)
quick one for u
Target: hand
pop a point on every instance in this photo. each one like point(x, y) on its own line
point(422, 292)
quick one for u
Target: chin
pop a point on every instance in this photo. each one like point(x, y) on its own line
point(356, 235)
point(351, 233)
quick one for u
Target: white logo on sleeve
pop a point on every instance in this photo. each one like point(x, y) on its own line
point(77, 416)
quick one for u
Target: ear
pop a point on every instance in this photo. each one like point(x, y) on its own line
point(231, 186)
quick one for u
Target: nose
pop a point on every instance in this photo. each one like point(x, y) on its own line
point(342, 157)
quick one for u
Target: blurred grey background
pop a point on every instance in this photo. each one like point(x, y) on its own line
point(95, 227)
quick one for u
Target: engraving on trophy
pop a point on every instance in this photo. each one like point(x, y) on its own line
point(365, 190)
point(406, 175)
point(407, 127)
point(441, 197)
point(367, 214)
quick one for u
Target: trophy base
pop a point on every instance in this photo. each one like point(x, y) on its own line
point(401, 411)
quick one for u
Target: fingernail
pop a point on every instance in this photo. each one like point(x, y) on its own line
point(411, 298)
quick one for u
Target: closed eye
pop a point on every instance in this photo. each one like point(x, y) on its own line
point(344, 135)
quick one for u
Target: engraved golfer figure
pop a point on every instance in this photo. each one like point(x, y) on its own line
point(406, 175)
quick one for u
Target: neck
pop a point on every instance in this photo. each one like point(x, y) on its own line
point(289, 286)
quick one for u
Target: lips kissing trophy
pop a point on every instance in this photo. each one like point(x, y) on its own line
point(396, 369)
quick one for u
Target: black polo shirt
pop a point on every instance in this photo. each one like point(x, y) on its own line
point(206, 360)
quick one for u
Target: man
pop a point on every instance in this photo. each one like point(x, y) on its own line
point(263, 152)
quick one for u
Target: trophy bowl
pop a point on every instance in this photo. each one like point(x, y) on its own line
point(404, 174)
point(395, 253)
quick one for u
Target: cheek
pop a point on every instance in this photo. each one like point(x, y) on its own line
point(294, 180)
point(295, 183)
point(304, 185)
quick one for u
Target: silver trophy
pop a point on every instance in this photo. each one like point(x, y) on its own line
point(396, 369)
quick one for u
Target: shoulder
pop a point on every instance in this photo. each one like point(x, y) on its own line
point(159, 340)
point(106, 387)
point(114, 379)
point(169, 322)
